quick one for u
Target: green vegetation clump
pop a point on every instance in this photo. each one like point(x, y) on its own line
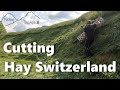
point(2, 28)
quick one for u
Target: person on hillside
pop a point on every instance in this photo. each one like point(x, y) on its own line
point(89, 31)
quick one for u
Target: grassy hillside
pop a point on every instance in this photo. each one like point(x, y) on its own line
point(2, 28)
point(106, 46)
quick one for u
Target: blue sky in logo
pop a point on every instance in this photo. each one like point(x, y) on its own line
point(16, 21)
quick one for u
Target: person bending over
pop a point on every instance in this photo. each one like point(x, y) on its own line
point(89, 31)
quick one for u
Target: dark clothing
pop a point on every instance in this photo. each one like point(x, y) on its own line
point(88, 43)
point(89, 30)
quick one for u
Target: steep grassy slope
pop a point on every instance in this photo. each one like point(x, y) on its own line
point(106, 46)
point(2, 28)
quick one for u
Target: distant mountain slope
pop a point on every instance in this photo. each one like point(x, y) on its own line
point(2, 28)
point(106, 46)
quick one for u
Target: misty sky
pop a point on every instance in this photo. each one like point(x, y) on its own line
point(35, 19)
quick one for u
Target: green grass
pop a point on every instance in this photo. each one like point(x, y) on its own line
point(106, 47)
point(19, 75)
point(2, 28)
